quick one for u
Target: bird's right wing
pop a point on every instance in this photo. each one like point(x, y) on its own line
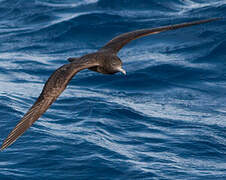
point(118, 42)
point(54, 86)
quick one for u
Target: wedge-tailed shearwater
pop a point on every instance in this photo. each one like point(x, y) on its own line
point(104, 61)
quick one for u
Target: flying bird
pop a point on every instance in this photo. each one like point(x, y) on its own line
point(104, 61)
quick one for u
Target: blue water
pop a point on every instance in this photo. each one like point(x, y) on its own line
point(165, 120)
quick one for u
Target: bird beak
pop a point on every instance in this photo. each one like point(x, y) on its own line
point(121, 70)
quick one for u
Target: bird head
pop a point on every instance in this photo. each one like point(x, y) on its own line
point(116, 64)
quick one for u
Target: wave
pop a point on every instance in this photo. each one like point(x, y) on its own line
point(164, 120)
point(140, 4)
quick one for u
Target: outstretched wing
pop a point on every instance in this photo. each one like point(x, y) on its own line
point(119, 41)
point(54, 86)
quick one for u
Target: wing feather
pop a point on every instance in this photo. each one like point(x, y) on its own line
point(54, 86)
point(119, 41)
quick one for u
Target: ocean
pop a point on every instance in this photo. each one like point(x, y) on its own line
point(166, 119)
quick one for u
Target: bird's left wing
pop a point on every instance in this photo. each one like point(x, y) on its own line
point(118, 42)
point(54, 86)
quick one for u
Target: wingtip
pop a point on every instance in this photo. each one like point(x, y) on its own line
point(6, 144)
point(210, 20)
point(2, 147)
point(216, 19)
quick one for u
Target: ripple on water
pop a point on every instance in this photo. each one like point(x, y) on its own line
point(164, 120)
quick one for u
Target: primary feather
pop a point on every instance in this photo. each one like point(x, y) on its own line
point(54, 86)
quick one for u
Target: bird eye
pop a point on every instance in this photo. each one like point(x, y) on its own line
point(113, 63)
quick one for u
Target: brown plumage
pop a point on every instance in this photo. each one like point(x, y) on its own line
point(104, 61)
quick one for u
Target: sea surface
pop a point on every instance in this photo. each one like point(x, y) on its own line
point(166, 119)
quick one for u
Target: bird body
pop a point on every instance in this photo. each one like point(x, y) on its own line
point(104, 61)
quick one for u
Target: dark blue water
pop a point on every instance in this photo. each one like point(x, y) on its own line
point(165, 120)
